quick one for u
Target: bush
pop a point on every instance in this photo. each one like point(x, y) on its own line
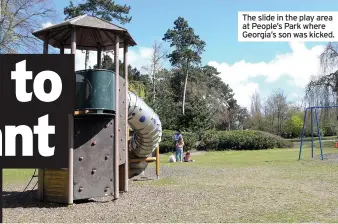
point(247, 140)
point(167, 142)
point(327, 131)
point(279, 142)
point(224, 140)
point(190, 140)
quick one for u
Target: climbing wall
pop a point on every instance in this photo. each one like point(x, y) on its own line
point(93, 156)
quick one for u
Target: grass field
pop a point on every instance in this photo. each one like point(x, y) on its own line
point(265, 186)
point(241, 186)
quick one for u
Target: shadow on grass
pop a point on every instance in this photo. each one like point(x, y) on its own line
point(28, 199)
point(144, 179)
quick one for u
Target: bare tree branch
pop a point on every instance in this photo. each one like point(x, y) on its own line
point(158, 55)
point(19, 19)
point(329, 58)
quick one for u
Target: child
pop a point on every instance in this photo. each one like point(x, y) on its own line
point(179, 149)
point(187, 157)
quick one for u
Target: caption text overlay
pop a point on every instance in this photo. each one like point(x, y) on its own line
point(37, 96)
point(287, 26)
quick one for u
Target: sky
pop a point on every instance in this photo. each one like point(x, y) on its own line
point(245, 66)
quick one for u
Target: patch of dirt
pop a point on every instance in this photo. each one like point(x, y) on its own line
point(329, 157)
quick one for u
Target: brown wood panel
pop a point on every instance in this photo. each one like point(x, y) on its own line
point(55, 185)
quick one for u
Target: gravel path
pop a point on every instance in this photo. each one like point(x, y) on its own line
point(141, 204)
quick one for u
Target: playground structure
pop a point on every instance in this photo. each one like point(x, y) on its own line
point(313, 110)
point(101, 157)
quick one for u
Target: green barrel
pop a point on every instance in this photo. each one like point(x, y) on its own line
point(95, 90)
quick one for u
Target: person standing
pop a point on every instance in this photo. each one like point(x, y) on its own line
point(179, 149)
point(177, 136)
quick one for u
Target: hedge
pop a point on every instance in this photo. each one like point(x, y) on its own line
point(242, 140)
point(224, 140)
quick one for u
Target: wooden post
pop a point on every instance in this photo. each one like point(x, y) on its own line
point(73, 41)
point(158, 162)
point(127, 155)
point(126, 165)
point(62, 49)
point(99, 56)
point(40, 171)
point(45, 43)
point(40, 184)
point(117, 120)
point(124, 173)
point(71, 159)
point(1, 203)
point(70, 131)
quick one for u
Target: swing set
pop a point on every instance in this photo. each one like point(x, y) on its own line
point(313, 110)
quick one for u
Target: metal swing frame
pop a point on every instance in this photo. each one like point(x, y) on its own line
point(313, 109)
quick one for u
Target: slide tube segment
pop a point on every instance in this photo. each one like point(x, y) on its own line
point(147, 132)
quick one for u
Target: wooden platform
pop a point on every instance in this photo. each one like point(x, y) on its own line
point(92, 111)
point(148, 160)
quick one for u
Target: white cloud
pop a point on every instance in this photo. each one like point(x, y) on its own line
point(140, 57)
point(299, 65)
point(295, 95)
point(46, 24)
point(248, 89)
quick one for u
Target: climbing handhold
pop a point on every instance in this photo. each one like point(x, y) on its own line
point(142, 119)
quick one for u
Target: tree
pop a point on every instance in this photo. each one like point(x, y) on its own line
point(188, 49)
point(166, 108)
point(155, 65)
point(138, 82)
point(256, 104)
point(217, 93)
point(256, 118)
point(294, 126)
point(243, 116)
point(197, 117)
point(326, 86)
point(322, 90)
point(233, 109)
point(107, 62)
point(138, 88)
point(278, 99)
point(104, 9)
point(18, 20)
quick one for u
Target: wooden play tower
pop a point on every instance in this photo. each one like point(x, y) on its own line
point(98, 150)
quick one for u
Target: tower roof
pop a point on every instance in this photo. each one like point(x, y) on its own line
point(90, 32)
